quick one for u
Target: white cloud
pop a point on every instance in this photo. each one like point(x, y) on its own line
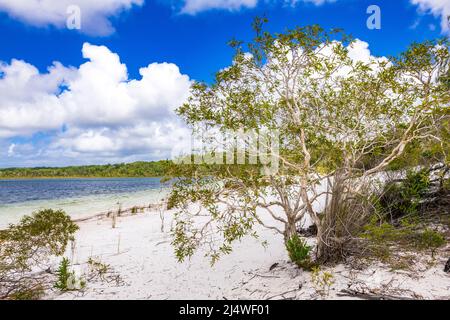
point(439, 8)
point(93, 110)
point(196, 6)
point(95, 15)
point(23, 91)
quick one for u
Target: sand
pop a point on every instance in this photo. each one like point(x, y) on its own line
point(142, 265)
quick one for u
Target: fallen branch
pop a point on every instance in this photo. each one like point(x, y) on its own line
point(282, 294)
point(370, 296)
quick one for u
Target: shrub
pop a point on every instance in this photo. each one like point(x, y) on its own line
point(322, 281)
point(408, 234)
point(430, 239)
point(380, 233)
point(299, 252)
point(66, 278)
point(403, 198)
point(99, 268)
point(27, 246)
point(64, 275)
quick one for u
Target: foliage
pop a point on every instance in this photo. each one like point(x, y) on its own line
point(136, 169)
point(98, 268)
point(65, 276)
point(27, 246)
point(67, 279)
point(384, 237)
point(322, 281)
point(299, 252)
point(403, 198)
point(430, 239)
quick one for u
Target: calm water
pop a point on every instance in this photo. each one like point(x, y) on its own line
point(17, 191)
point(78, 197)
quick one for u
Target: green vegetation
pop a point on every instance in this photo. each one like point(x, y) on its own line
point(403, 198)
point(402, 213)
point(98, 268)
point(64, 275)
point(26, 247)
point(298, 252)
point(123, 170)
point(322, 281)
point(385, 239)
point(66, 278)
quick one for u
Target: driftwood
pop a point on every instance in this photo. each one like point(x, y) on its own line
point(370, 296)
point(119, 212)
point(282, 295)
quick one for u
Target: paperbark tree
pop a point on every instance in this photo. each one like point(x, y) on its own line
point(341, 119)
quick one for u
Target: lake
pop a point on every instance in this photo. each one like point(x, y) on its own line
point(78, 197)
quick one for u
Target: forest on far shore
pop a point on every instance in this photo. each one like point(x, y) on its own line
point(122, 170)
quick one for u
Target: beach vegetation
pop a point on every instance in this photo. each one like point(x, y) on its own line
point(25, 250)
point(322, 281)
point(299, 252)
point(67, 279)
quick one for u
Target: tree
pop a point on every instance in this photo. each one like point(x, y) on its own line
point(340, 120)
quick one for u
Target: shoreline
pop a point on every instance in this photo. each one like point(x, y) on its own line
point(87, 206)
point(75, 178)
point(142, 265)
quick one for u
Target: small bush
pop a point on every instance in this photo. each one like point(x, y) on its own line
point(430, 240)
point(27, 246)
point(299, 252)
point(380, 234)
point(322, 281)
point(99, 268)
point(403, 198)
point(383, 237)
point(65, 276)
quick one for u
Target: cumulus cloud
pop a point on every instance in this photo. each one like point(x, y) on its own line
point(438, 8)
point(23, 91)
point(94, 109)
point(95, 15)
point(95, 113)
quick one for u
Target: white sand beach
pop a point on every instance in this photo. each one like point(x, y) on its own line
point(142, 265)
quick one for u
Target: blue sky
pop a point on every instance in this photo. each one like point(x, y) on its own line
point(75, 113)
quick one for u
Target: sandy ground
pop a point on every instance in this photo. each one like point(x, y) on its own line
point(142, 266)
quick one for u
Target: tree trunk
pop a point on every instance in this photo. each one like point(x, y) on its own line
point(290, 229)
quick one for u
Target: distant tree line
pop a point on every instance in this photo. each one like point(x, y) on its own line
point(136, 169)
